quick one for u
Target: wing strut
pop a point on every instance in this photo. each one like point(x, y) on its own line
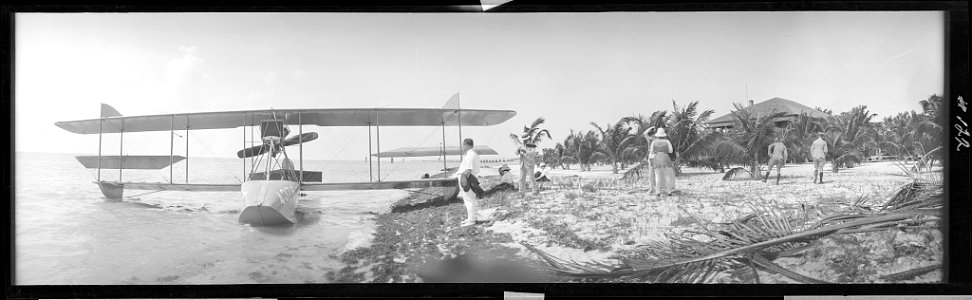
point(121, 143)
point(443, 146)
point(459, 114)
point(187, 149)
point(100, 127)
point(300, 131)
point(378, 142)
point(371, 177)
point(171, 145)
point(244, 145)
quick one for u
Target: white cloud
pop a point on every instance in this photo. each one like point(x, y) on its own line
point(270, 78)
point(297, 74)
point(186, 77)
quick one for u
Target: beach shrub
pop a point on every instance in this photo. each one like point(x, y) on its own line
point(561, 234)
point(683, 221)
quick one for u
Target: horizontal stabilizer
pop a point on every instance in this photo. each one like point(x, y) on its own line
point(433, 151)
point(142, 162)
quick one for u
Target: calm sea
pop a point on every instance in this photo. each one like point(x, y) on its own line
point(66, 233)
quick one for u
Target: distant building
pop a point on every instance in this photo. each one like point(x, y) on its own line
point(792, 109)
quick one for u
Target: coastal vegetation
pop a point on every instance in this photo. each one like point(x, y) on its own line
point(878, 222)
point(852, 137)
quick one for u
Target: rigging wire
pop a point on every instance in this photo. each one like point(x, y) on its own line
point(330, 158)
point(221, 163)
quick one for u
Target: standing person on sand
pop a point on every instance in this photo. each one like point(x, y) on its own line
point(777, 153)
point(528, 161)
point(662, 163)
point(818, 151)
point(650, 136)
point(468, 169)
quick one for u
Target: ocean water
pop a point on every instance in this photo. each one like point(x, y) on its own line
point(66, 233)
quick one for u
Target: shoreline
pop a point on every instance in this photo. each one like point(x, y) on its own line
point(594, 216)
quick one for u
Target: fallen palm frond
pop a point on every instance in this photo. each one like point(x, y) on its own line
point(635, 171)
point(695, 257)
point(909, 274)
point(737, 172)
point(916, 195)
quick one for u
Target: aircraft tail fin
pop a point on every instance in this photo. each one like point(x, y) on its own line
point(107, 111)
point(453, 102)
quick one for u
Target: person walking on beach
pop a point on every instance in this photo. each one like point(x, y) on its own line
point(468, 169)
point(662, 163)
point(777, 153)
point(650, 136)
point(818, 151)
point(528, 161)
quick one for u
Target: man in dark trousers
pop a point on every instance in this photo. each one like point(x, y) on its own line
point(777, 153)
point(818, 151)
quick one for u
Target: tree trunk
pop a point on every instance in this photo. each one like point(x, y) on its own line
point(678, 165)
point(754, 169)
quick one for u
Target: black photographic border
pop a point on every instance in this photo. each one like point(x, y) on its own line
point(958, 255)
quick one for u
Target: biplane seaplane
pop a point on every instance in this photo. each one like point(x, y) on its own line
point(271, 187)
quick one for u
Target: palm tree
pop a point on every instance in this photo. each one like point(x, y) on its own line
point(928, 131)
point(753, 133)
point(634, 147)
point(800, 134)
point(588, 146)
point(850, 136)
point(688, 133)
point(611, 139)
point(557, 156)
point(532, 134)
point(896, 135)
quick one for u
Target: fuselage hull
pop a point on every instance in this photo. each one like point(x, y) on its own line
point(269, 202)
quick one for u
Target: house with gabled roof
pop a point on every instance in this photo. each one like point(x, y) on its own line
point(791, 108)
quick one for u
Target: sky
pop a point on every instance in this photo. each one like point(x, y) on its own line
point(570, 68)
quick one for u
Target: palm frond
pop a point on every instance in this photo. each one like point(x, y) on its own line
point(685, 259)
point(701, 145)
point(516, 140)
point(916, 195)
point(537, 122)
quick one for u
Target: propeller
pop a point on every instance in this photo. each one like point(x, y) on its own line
point(264, 148)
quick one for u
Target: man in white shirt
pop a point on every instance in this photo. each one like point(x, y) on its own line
point(818, 151)
point(468, 167)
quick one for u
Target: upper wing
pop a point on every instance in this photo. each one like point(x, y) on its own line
point(320, 117)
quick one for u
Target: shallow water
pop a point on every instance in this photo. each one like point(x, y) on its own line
point(66, 233)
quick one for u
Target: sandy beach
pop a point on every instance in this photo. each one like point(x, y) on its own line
point(596, 216)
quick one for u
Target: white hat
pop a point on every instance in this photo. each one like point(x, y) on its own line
point(661, 133)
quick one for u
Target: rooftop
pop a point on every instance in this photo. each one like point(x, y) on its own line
point(790, 107)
